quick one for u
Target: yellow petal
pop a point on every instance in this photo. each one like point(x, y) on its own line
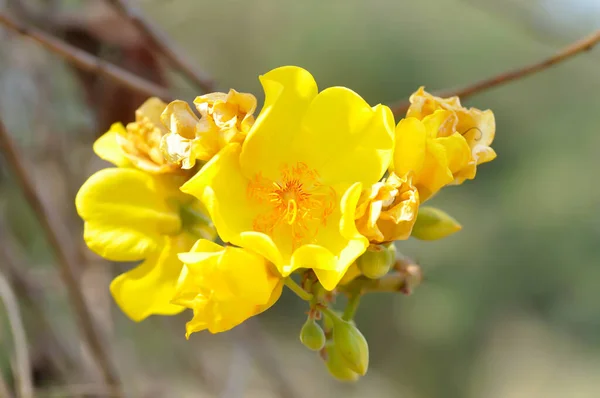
point(344, 139)
point(248, 274)
point(107, 147)
point(289, 91)
point(441, 123)
point(435, 173)
point(352, 273)
point(118, 242)
point(148, 289)
point(263, 244)
point(409, 150)
point(221, 187)
point(235, 313)
point(130, 203)
point(315, 257)
point(225, 286)
point(458, 152)
point(275, 295)
point(345, 249)
point(180, 119)
point(478, 127)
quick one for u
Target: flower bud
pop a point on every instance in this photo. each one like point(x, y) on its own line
point(352, 346)
point(336, 364)
point(312, 335)
point(433, 224)
point(376, 261)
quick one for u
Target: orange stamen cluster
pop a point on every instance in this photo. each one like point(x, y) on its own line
point(297, 202)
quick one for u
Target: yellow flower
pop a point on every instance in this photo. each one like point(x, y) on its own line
point(138, 144)
point(225, 118)
point(289, 192)
point(476, 126)
point(431, 150)
point(388, 210)
point(132, 215)
point(224, 286)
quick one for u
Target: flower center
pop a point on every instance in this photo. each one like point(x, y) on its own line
point(297, 204)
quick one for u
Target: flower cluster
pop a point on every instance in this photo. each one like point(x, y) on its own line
point(312, 194)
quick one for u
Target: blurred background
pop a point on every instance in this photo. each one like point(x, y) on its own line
point(510, 306)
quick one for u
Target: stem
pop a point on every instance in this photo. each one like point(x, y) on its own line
point(159, 41)
point(22, 369)
point(86, 61)
point(328, 312)
point(296, 288)
point(54, 230)
point(351, 307)
point(582, 45)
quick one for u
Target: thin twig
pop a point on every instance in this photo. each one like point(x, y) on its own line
point(160, 41)
point(28, 290)
point(22, 371)
point(54, 230)
point(568, 52)
point(86, 61)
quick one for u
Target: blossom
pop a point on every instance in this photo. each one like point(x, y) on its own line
point(388, 210)
point(476, 126)
point(431, 150)
point(138, 144)
point(224, 286)
point(290, 191)
point(132, 215)
point(225, 118)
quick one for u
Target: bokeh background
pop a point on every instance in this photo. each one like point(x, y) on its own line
point(510, 306)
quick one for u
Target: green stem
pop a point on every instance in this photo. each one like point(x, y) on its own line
point(327, 312)
point(296, 288)
point(351, 307)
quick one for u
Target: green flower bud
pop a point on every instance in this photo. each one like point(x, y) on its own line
point(433, 224)
point(352, 346)
point(376, 261)
point(337, 365)
point(312, 335)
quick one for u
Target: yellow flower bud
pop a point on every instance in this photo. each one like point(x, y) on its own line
point(312, 335)
point(376, 261)
point(433, 224)
point(337, 365)
point(352, 346)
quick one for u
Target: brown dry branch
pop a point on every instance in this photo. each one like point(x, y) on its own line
point(22, 368)
point(54, 351)
point(103, 32)
point(54, 230)
point(580, 46)
point(161, 43)
point(86, 61)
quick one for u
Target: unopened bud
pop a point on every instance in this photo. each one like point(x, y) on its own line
point(337, 365)
point(328, 322)
point(312, 335)
point(352, 346)
point(376, 261)
point(433, 224)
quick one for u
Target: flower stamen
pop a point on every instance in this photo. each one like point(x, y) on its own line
point(297, 199)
